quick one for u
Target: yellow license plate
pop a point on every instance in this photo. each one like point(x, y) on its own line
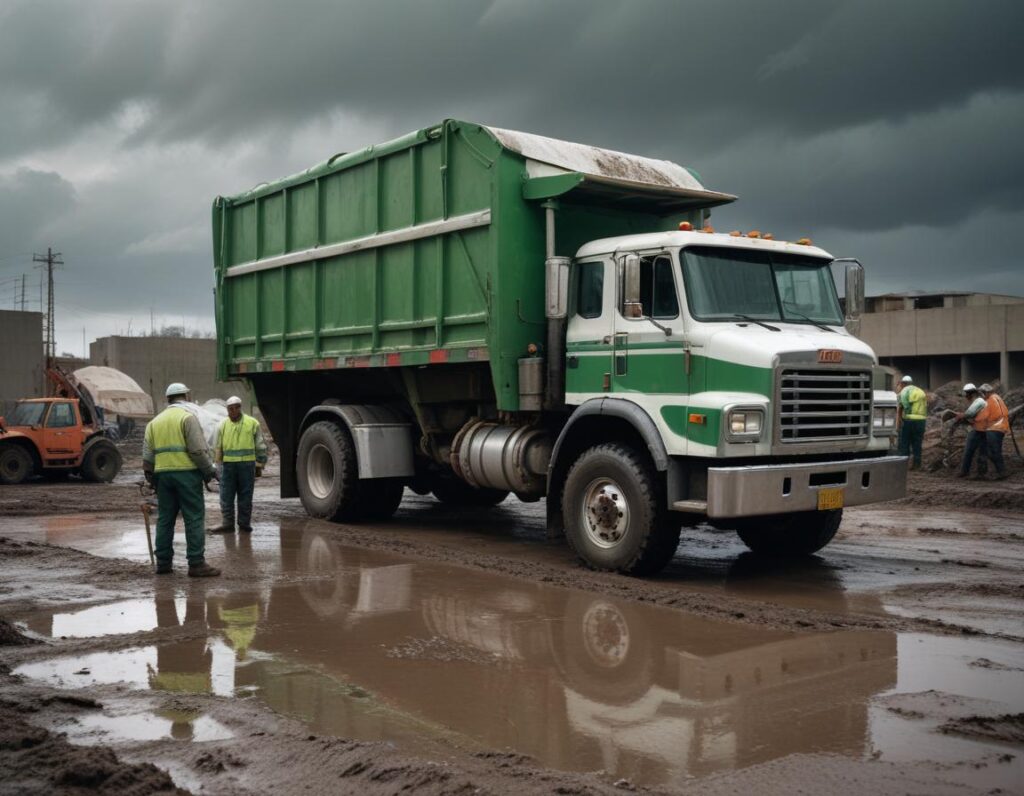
point(830, 499)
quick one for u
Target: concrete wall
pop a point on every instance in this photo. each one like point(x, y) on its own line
point(155, 362)
point(21, 357)
point(988, 339)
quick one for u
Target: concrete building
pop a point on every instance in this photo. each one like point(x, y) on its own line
point(943, 337)
point(21, 357)
point(155, 362)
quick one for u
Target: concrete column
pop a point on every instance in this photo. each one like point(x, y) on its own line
point(1004, 369)
point(965, 368)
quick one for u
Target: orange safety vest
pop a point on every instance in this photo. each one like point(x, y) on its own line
point(997, 414)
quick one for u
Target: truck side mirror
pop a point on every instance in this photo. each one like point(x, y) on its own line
point(556, 286)
point(631, 306)
point(854, 293)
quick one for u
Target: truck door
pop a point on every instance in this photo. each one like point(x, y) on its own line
point(648, 348)
point(61, 436)
point(588, 339)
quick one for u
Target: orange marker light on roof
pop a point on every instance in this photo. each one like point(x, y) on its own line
point(754, 234)
point(708, 229)
point(735, 234)
point(804, 242)
point(767, 236)
point(685, 226)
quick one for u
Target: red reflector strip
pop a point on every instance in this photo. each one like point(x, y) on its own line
point(394, 359)
point(438, 355)
point(358, 362)
point(277, 365)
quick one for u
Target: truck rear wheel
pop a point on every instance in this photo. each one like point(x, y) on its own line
point(614, 512)
point(791, 534)
point(15, 464)
point(459, 493)
point(101, 462)
point(329, 483)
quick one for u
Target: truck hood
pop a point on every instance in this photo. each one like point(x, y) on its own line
point(756, 346)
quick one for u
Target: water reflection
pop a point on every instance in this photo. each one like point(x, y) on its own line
point(368, 646)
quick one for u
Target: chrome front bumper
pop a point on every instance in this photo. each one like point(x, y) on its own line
point(786, 488)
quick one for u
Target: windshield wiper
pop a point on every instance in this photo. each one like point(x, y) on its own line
point(821, 326)
point(767, 326)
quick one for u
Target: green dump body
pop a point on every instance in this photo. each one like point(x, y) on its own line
point(426, 250)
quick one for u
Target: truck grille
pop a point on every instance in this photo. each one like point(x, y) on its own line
point(824, 405)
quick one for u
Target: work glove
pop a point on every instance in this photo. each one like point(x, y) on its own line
point(259, 469)
point(150, 477)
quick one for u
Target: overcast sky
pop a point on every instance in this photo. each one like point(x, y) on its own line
point(890, 131)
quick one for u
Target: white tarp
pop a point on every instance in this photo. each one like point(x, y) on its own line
point(116, 393)
point(210, 415)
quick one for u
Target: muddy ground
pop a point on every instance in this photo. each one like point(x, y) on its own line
point(454, 651)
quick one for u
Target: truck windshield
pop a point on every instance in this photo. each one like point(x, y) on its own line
point(27, 414)
point(724, 283)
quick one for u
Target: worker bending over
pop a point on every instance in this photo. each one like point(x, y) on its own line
point(176, 461)
point(242, 452)
point(912, 410)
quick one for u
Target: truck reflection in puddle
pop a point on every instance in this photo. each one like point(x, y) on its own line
point(363, 645)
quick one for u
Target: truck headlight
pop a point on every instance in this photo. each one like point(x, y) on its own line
point(884, 419)
point(745, 423)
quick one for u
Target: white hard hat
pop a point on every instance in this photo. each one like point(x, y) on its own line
point(177, 388)
point(234, 400)
point(985, 387)
point(969, 387)
point(906, 380)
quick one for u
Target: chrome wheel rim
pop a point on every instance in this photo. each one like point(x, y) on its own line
point(605, 513)
point(320, 471)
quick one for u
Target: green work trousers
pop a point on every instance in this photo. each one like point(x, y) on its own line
point(180, 492)
point(911, 437)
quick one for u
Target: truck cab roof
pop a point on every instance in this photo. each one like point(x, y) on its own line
point(676, 239)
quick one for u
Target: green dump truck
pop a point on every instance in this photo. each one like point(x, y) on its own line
point(473, 312)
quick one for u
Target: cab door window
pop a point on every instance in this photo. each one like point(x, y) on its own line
point(61, 416)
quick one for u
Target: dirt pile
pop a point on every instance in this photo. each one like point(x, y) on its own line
point(1008, 728)
point(10, 636)
point(34, 760)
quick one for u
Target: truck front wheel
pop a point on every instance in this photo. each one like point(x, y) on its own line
point(15, 464)
point(614, 512)
point(101, 462)
point(791, 534)
point(329, 483)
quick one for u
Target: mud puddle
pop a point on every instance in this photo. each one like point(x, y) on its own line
point(371, 646)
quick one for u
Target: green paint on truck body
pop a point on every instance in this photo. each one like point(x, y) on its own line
point(480, 288)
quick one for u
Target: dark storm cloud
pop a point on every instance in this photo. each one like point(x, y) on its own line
point(871, 121)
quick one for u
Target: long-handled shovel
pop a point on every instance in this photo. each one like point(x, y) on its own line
point(146, 511)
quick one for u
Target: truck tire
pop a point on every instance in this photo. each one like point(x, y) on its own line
point(101, 462)
point(459, 493)
point(614, 513)
point(792, 534)
point(329, 483)
point(15, 464)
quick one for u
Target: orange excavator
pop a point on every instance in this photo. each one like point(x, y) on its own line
point(57, 436)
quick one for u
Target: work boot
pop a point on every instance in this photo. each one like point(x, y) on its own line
point(164, 568)
point(224, 527)
point(1000, 476)
point(245, 528)
point(961, 475)
point(202, 570)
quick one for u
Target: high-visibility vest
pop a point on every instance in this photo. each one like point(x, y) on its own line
point(914, 402)
point(238, 439)
point(166, 436)
point(998, 414)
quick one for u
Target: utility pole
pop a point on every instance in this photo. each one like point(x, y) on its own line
point(50, 260)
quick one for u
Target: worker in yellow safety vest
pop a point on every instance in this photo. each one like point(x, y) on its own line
point(176, 461)
point(912, 414)
point(241, 452)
